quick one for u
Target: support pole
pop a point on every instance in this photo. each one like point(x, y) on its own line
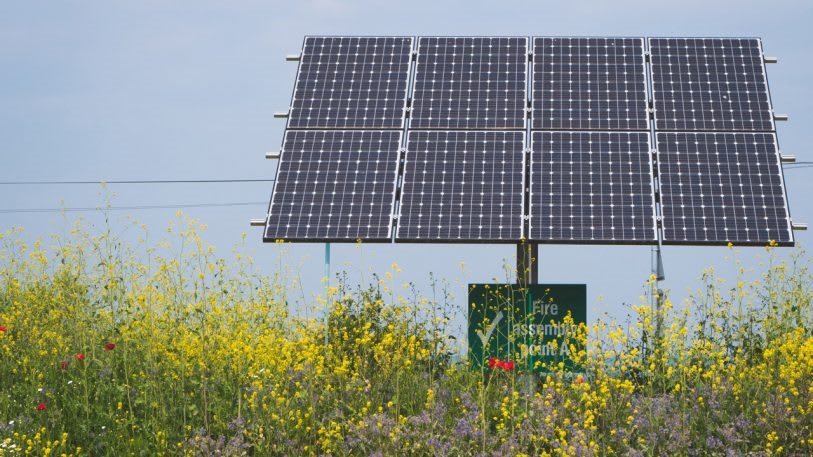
point(528, 273)
point(527, 265)
point(660, 275)
point(327, 297)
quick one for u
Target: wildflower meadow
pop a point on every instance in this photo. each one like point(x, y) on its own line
point(114, 349)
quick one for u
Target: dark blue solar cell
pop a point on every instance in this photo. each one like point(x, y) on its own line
point(462, 186)
point(710, 84)
point(722, 187)
point(352, 83)
point(589, 84)
point(470, 83)
point(335, 185)
point(593, 187)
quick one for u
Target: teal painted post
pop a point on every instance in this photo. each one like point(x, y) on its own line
point(528, 319)
point(327, 297)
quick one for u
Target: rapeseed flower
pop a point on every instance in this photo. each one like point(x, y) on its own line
point(218, 362)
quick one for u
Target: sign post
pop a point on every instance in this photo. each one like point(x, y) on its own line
point(527, 324)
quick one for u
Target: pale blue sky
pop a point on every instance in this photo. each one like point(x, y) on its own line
point(101, 90)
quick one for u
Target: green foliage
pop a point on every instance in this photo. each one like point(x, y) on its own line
point(107, 349)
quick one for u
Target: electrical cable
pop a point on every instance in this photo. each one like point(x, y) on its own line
point(128, 208)
point(136, 181)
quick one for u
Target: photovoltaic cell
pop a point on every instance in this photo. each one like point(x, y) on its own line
point(474, 83)
point(722, 187)
point(592, 187)
point(462, 185)
point(589, 84)
point(352, 83)
point(710, 84)
point(334, 185)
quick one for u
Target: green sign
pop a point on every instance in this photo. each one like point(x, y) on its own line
point(534, 326)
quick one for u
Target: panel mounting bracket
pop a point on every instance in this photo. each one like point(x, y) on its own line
point(257, 222)
point(293, 57)
point(281, 115)
point(273, 155)
point(798, 226)
point(770, 59)
point(780, 117)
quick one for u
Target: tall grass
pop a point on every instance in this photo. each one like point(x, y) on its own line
point(105, 350)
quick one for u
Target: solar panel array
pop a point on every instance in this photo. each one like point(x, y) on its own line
point(550, 139)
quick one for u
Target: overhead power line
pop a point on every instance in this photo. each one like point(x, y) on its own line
point(134, 181)
point(127, 208)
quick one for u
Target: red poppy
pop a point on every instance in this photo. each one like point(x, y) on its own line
point(63, 365)
point(110, 346)
point(3, 328)
point(507, 365)
point(579, 379)
point(41, 406)
point(80, 356)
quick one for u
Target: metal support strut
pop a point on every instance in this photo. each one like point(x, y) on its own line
point(527, 263)
point(660, 275)
point(327, 297)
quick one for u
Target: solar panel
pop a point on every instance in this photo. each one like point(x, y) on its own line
point(470, 83)
point(722, 187)
point(462, 185)
point(352, 83)
point(352, 167)
point(334, 185)
point(710, 84)
point(592, 187)
point(589, 84)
